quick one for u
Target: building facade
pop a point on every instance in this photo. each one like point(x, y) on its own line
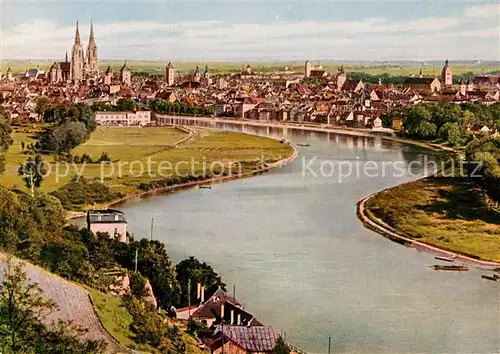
point(79, 67)
point(170, 74)
point(123, 119)
point(108, 220)
point(446, 75)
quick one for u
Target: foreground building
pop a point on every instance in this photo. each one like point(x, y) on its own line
point(108, 220)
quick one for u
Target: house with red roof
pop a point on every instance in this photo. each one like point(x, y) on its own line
point(243, 340)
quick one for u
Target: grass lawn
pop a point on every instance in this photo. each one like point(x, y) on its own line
point(116, 320)
point(450, 213)
point(131, 148)
point(114, 316)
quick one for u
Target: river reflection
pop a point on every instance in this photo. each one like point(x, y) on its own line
point(303, 263)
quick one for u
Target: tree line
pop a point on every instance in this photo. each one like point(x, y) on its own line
point(71, 125)
point(446, 121)
point(180, 108)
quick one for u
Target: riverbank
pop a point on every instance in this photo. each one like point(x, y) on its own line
point(429, 215)
point(307, 126)
point(221, 179)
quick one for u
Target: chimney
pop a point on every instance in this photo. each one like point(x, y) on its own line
point(232, 317)
point(202, 294)
point(198, 288)
point(239, 319)
point(222, 310)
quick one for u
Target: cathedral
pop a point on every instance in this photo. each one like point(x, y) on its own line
point(79, 68)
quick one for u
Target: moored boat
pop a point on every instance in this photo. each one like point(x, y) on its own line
point(449, 267)
point(204, 187)
point(490, 277)
point(446, 259)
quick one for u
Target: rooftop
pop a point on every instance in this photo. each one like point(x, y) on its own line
point(105, 216)
point(251, 339)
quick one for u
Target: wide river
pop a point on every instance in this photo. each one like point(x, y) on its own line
point(302, 261)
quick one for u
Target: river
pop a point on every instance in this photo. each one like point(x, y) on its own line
point(303, 262)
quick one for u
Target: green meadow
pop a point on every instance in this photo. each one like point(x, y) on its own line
point(450, 213)
point(130, 149)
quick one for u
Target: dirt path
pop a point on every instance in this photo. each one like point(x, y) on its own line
point(73, 303)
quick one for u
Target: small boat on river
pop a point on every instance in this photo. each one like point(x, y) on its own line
point(490, 277)
point(446, 259)
point(204, 187)
point(304, 145)
point(450, 267)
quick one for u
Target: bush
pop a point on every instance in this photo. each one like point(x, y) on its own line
point(80, 192)
point(138, 285)
point(146, 186)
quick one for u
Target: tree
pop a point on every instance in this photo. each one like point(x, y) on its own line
point(125, 104)
point(138, 285)
point(153, 263)
point(425, 130)
point(5, 138)
point(22, 308)
point(33, 171)
point(193, 271)
point(42, 105)
point(23, 311)
point(281, 347)
point(148, 325)
point(386, 120)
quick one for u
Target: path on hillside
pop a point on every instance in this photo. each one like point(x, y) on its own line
point(73, 303)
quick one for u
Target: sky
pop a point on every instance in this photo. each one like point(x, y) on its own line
point(203, 30)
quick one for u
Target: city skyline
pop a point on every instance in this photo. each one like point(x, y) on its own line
point(255, 31)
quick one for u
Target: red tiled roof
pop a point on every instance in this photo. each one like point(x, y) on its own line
point(251, 339)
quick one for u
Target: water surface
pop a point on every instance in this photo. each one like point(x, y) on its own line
point(303, 262)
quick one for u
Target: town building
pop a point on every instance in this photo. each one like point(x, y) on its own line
point(123, 119)
point(108, 76)
point(125, 75)
point(243, 340)
point(91, 67)
point(446, 75)
point(425, 84)
point(78, 68)
point(170, 74)
point(108, 220)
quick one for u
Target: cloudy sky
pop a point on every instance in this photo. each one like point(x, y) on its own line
point(255, 30)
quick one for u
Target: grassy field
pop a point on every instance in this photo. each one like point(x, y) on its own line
point(450, 213)
point(114, 317)
point(131, 148)
point(116, 320)
point(158, 67)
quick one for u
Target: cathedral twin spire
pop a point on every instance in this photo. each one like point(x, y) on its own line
point(84, 67)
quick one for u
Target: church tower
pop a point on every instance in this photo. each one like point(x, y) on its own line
point(125, 75)
point(92, 63)
point(446, 75)
point(77, 58)
point(307, 69)
point(170, 74)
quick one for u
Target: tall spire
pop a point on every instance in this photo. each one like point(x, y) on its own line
point(66, 57)
point(91, 38)
point(77, 34)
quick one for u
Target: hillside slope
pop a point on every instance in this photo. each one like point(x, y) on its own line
point(74, 304)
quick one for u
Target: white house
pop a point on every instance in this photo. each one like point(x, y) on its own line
point(124, 119)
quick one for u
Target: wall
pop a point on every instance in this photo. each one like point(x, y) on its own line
point(121, 229)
